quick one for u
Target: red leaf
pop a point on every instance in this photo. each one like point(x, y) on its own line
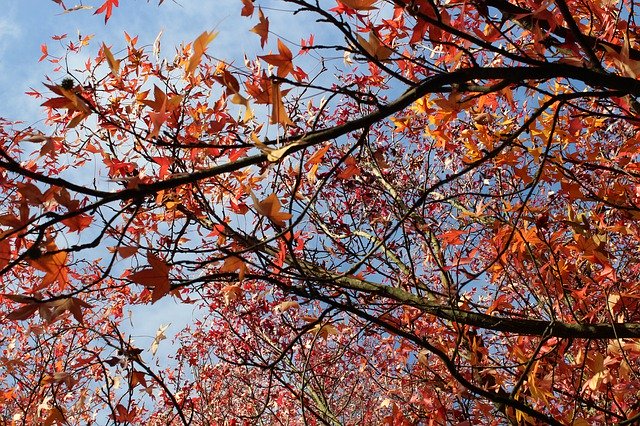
point(78, 222)
point(106, 8)
point(247, 8)
point(157, 277)
point(262, 28)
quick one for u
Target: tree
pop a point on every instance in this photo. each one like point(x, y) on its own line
point(423, 212)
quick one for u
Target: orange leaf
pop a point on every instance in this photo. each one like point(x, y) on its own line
point(278, 112)
point(262, 28)
point(78, 222)
point(282, 60)
point(114, 65)
point(285, 306)
point(324, 331)
point(359, 4)
point(374, 47)
point(316, 158)
point(157, 277)
point(199, 47)
point(270, 208)
point(54, 267)
point(351, 169)
point(234, 263)
point(231, 293)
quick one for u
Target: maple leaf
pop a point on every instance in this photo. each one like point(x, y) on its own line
point(324, 331)
point(156, 277)
point(375, 47)
point(45, 52)
point(351, 168)
point(262, 28)
point(78, 222)
point(283, 60)
point(5, 250)
point(160, 336)
point(54, 266)
point(107, 8)
point(114, 65)
point(359, 4)
point(270, 208)
point(231, 293)
point(233, 264)
point(199, 47)
point(71, 304)
point(123, 415)
point(247, 8)
point(278, 112)
point(22, 313)
point(285, 306)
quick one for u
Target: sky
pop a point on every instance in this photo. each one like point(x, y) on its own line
point(27, 24)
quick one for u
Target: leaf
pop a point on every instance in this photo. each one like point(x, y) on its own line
point(54, 266)
point(233, 264)
point(71, 304)
point(78, 222)
point(156, 45)
point(231, 293)
point(283, 60)
point(22, 313)
point(199, 47)
point(374, 47)
point(45, 52)
point(122, 415)
point(126, 251)
point(316, 158)
point(278, 112)
point(156, 277)
point(270, 208)
point(351, 168)
point(247, 8)
point(273, 155)
point(359, 4)
point(324, 331)
point(5, 251)
point(285, 306)
point(160, 336)
point(262, 28)
point(107, 8)
point(114, 65)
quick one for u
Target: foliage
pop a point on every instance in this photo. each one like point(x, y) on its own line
point(423, 212)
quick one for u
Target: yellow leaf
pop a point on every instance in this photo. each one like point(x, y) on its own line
point(114, 65)
point(324, 331)
point(199, 47)
point(285, 306)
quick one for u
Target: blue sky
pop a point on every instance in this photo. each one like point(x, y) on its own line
point(25, 25)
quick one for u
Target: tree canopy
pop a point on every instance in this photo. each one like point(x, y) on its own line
point(415, 212)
